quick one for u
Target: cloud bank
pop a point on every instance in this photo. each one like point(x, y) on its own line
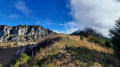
point(98, 14)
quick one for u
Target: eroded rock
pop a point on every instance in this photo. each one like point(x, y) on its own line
point(23, 33)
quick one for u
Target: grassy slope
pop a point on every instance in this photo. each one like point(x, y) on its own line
point(73, 52)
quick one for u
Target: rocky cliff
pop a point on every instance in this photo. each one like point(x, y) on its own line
point(23, 33)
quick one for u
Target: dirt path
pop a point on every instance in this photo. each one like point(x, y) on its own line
point(66, 60)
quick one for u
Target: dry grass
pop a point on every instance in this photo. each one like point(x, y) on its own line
point(76, 40)
point(70, 51)
point(73, 52)
point(50, 37)
point(14, 44)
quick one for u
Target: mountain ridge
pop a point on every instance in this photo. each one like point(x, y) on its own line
point(23, 32)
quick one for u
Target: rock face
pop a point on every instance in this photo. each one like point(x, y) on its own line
point(23, 33)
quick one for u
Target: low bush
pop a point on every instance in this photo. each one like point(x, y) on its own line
point(20, 61)
point(108, 43)
point(81, 37)
point(92, 39)
point(9, 45)
point(100, 41)
point(1, 46)
point(96, 40)
point(85, 34)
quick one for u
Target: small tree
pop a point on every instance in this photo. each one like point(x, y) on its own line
point(107, 43)
point(100, 41)
point(20, 61)
point(85, 34)
point(81, 37)
point(115, 35)
point(92, 39)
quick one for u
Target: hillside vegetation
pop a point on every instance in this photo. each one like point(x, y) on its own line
point(69, 51)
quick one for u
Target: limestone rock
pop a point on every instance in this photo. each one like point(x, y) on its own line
point(23, 33)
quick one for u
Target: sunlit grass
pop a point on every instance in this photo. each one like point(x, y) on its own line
point(75, 41)
point(71, 51)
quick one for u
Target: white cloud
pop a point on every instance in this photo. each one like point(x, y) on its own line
point(21, 6)
point(48, 21)
point(70, 24)
point(37, 22)
point(99, 14)
point(58, 31)
point(13, 16)
point(71, 30)
point(68, 31)
point(70, 27)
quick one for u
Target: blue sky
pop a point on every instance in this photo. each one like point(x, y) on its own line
point(47, 13)
point(62, 16)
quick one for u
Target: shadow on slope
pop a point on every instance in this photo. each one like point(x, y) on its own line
point(43, 43)
point(80, 56)
point(6, 54)
point(91, 56)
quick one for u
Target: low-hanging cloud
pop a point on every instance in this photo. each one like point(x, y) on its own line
point(68, 31)
point(98, 14)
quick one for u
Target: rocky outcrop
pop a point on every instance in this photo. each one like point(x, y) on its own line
point(23, 33)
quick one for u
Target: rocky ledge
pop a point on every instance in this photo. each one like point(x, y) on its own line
point(23, 33)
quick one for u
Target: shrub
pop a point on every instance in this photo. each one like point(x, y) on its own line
point(15, 44)
point(9, 45)
point(85, 34)
point(41, 49)
point(107, 43)
point(1, 46)
point(81, 37)
point(100, 41)
point(92, 39)
point(20, 61)
point(96, 40)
